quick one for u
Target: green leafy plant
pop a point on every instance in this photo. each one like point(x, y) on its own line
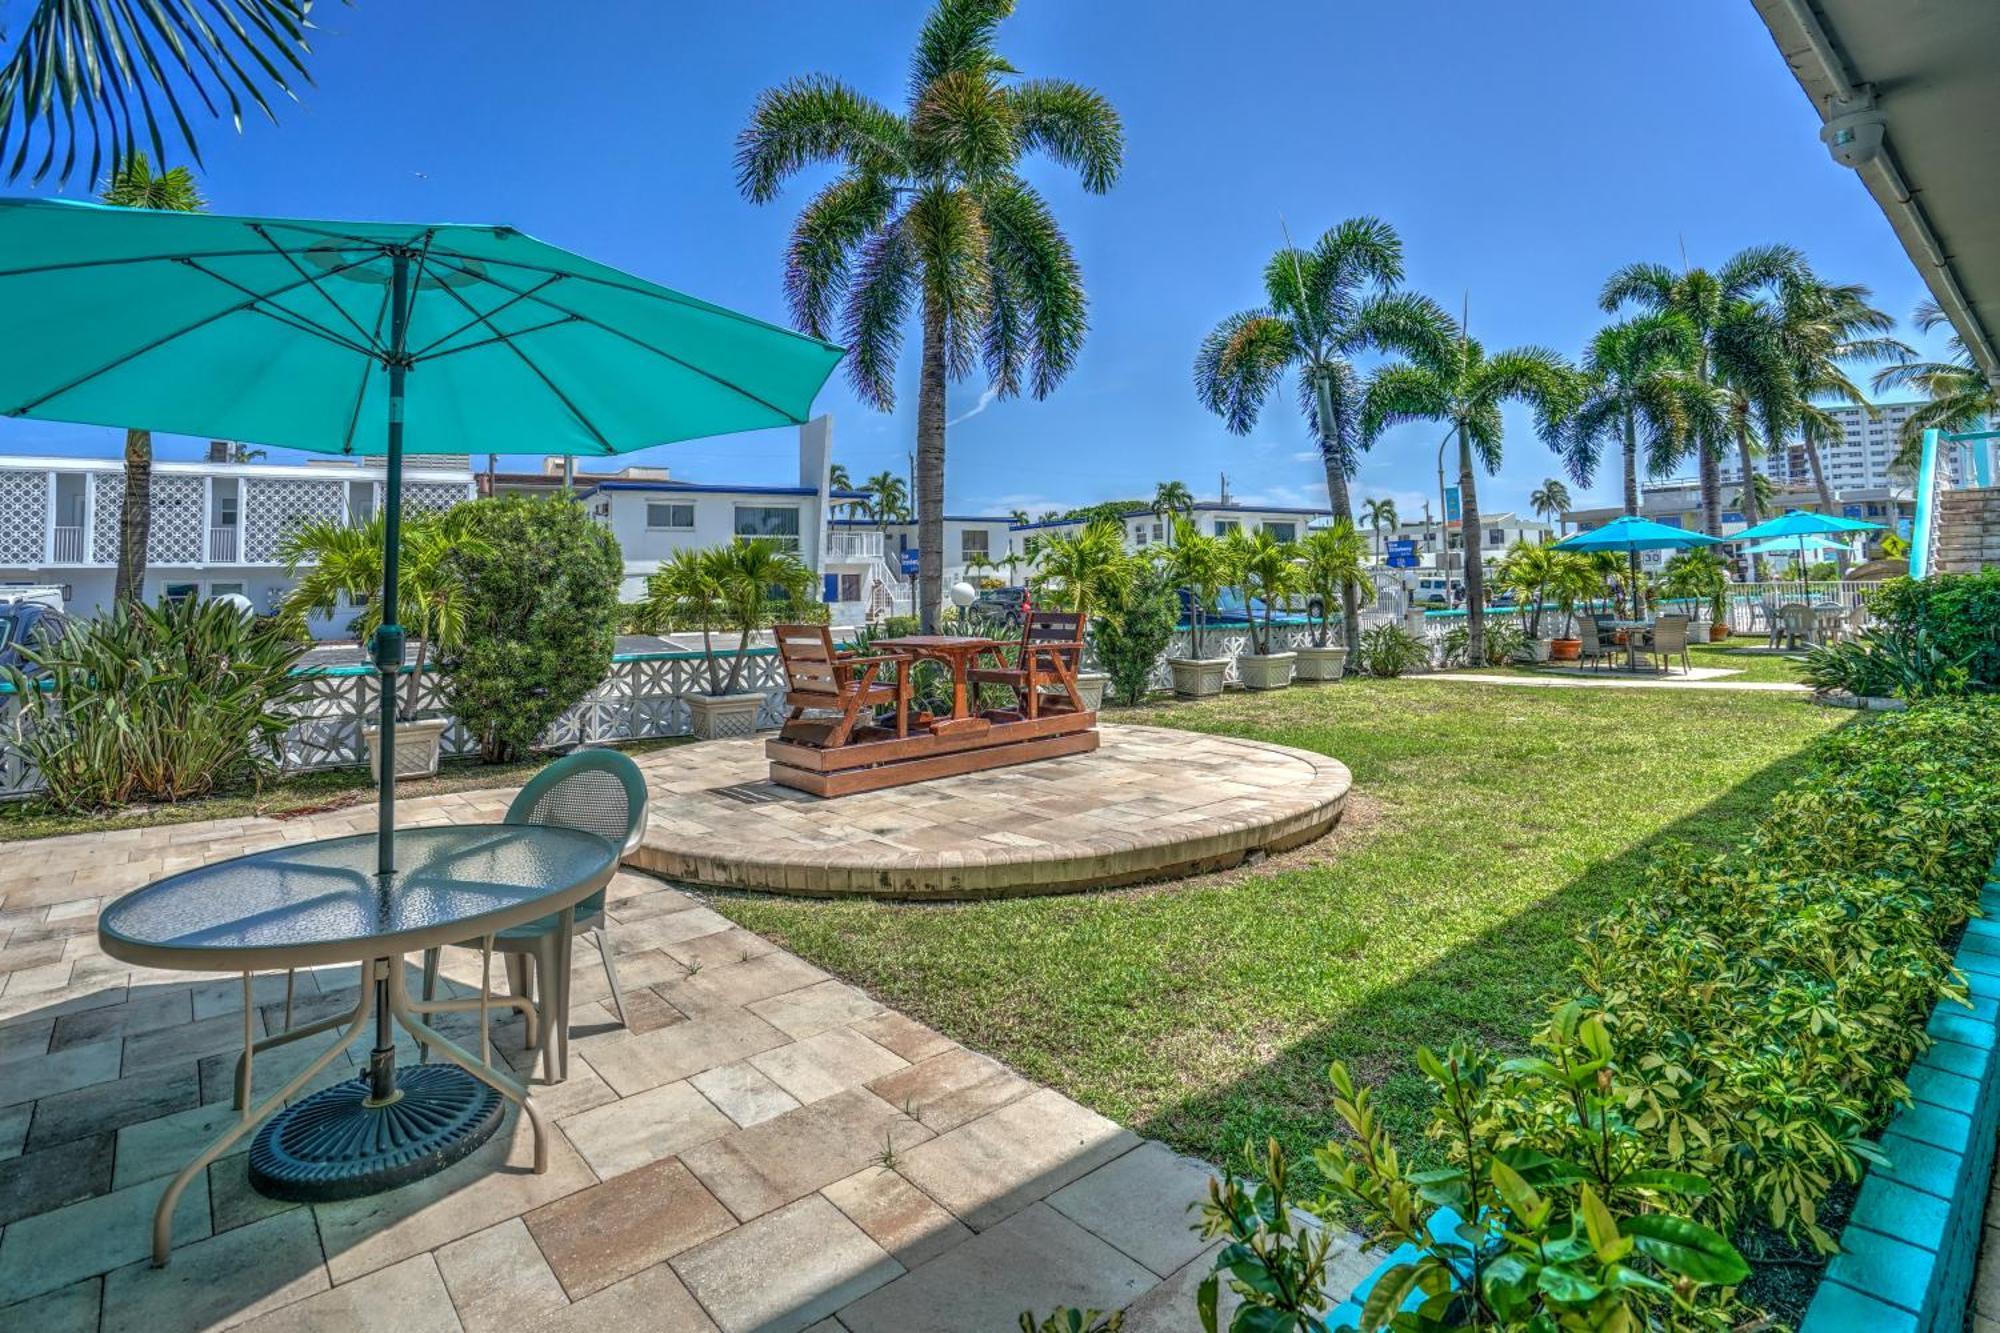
point(742, 586)
point(1275, 1260)
point(1263, 570)
point(155, 703)
point(1700, 574)
point(1391, 650)
point(1081, 571)
point(540, 606)
point(1136, 627)
point(1504, 641)
point(1331, 561)
point(1200, 565)
point(1067, 1320)
point(1959, 612)
point(1903, 663)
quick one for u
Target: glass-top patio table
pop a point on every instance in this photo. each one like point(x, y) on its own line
point(322, 903)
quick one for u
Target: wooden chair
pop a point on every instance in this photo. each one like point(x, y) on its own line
point(1050, 653)
point(817, 675)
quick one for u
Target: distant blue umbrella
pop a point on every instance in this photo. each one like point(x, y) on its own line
point(1631, 533)
point(1799, 525)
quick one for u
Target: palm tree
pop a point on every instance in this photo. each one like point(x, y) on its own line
point(1706, 302)
point(888, 499)
point(1821, 327)
point(1323, 307)
point(1379, 513)
point(929, 211)
point(1960, 396)
point(1760, 495)
point(1330, 560)
point(110, 64)
point(1172, 500)
point(1633, 384)
point(1018, 517)
point(136, 185)
point(837, 478)
point(1081, 571)
point(1458, 385)
point(1550, 500)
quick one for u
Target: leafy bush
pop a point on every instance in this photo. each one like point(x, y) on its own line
point(741, 586)
point(1136, 627)
point(1391, 650)
point(1504, 641)
point(156, 703)
point(1960, 614)
point(1890, 662)
point(540, 608)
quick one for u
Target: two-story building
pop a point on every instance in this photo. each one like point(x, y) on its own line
point(1215, 518)
point(1442, 545)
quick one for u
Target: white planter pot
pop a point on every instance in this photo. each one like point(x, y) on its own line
point(1266, 671)
point(1537, 650)
point(419, 745)
point(1090, 684)
point(717, 717)
point(1321, 664)
point(1197, 677)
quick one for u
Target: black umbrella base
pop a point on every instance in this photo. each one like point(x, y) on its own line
point(334, 1145)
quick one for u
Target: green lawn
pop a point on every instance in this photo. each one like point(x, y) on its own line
point(1489, 822)
point(1737, 655)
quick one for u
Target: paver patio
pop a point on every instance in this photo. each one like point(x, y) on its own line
point(765, 1147)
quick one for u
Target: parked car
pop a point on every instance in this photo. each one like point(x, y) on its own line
point(1001, 606)
point(25, 624)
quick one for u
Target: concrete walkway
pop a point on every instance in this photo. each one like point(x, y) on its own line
point(764, 1147)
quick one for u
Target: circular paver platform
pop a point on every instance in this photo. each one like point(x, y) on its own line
point(1149, 803)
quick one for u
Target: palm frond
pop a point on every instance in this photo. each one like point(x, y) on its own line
point(1400, 393)
point(957, 37)
point(828, 233)
point(1649, 286)
point(1239, 363)
point(948, 232)
point(964, 126)
point(1075, 126)
point(1759, 266)
point(878, 303)
point(816, 119)
point(1029, 249)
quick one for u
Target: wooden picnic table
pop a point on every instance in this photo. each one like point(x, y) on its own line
point(957, 652)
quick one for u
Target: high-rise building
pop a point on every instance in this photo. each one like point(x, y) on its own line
point(1864, 456)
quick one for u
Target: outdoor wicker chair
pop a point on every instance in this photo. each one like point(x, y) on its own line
point(1667, 639)
point(1592, 647)
point(597, 791)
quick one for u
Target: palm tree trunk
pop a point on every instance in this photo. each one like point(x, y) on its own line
point(1632, 502)
point(930, 471)
point(411, 686)
point(1343, 508)
point(1475, 569)
point(1753, 513)
point(135, 526)
point(1818, 471)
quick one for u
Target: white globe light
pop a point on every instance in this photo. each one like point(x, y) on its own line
point(239, 601)
point(963, 594)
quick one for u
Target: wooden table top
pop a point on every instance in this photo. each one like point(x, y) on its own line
point(937, 642)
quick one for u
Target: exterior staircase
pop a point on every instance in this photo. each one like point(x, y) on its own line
point(1967, 536)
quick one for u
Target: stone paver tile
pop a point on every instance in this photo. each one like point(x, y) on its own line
point(827, 1062)
point(655, 1300)
point(903, 1035)
point(1035, 1260)
point(408, 1297)
point(671, 928)
point(272, 1069)
point(581, 1091)
point(186, 1041)
point(33, 1006)
point(634, 1063)
point(738, 984)
point(25, 1040)
point(947, 1090)
point(993, 1167)
point(628, 1224)
point(73, 1309)
point(493, 1184)
point(225, 995)
point(1170, 1307)
point(499, 1280)
point(14, 1129)
point(59, 1072)
point(786, 1270)
point(146, 1011)
point(658, 1123)
point(41, 1182)
point(34, 953)
point(52, 1250)
point(744, 1093)
point(720, 949)
point(763, 1167)
point(645, 1012)
point(163, 1146)
point(898, 1216)
point(1139, 1203)
point(103, 1107)
point(232, 1202)
point(219, 1281)
point(816, 1008)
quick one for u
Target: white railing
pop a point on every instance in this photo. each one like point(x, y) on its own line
point(854, 545)
point(222, 546)
point(67, 548)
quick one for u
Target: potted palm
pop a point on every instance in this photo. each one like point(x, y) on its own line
point(1331, 560)
point(1265, 570)
point(725, 588)
point(1200, 567)
point(1572, 581)
point(342, 563)
point(1083, 572)
point(1700, 573)
point(1530, 569)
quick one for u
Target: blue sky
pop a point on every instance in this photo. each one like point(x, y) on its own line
point(1522, 150)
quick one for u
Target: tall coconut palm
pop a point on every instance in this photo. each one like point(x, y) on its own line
point(1959, 395)
point(1822, 328)
point(110, 66)
point(1634, 392)
point(136, 185)
point(1323, 307)
point(1550, 501)
point(1458, 385)
point(1704, 300)
point(1378, 512)
point(1172, 501)
point(929, 212)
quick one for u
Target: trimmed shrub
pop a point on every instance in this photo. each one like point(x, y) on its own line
point(1134, 627)
point(1959, 615)
point(1391, 650)
point(541, 609)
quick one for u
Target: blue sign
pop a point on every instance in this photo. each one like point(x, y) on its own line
point(908, 560)
point(1850, 511)
point(1453, 509)
point(1731, 516)
point(1403, 553)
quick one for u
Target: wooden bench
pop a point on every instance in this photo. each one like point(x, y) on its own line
point(1050, 653)
point(817, 675)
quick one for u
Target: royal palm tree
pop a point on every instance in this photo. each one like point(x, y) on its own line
point(1323, 307)
point(1634, 393)
point(1705, 301)
point(1959, 395)
point(1550, 500)
point(929, 212)
point(110, 66)
point(136, 185)
point(1379, 513)
point(1172, 501)
point(1821, 328)
point(1455, 383)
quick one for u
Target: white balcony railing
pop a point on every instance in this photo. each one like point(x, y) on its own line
point(222, 546)
point(854, 545)
point(68, 547)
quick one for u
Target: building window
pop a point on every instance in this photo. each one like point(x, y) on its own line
point(1496, 536)
point(780, 523)
point(971, 542)
point(1284, 532)
point(225, 590)
point(1139, 534)
point(850, 588)
point(180, 592)
point(671, 517)
point(1159, 531)
point(1225, 526)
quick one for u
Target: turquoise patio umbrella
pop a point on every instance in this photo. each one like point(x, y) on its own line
point(1631, 534)
point(1800, 524)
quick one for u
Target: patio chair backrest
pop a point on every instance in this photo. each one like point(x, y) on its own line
point(809, 657)
point(1797, 618)
point(1586, 633)
point(597, 791)
point(1670, 634)
point(1052, 628)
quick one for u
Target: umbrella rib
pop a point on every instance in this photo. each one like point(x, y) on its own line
point(35, 269)
point(299, 269)
point(423, 352)
point(367, 368)
point(529, 362)
point(160, 341)
point(645, 346)
point(498, 337)
point(290, 318)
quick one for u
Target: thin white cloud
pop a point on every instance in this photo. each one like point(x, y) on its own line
point(986, 400)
